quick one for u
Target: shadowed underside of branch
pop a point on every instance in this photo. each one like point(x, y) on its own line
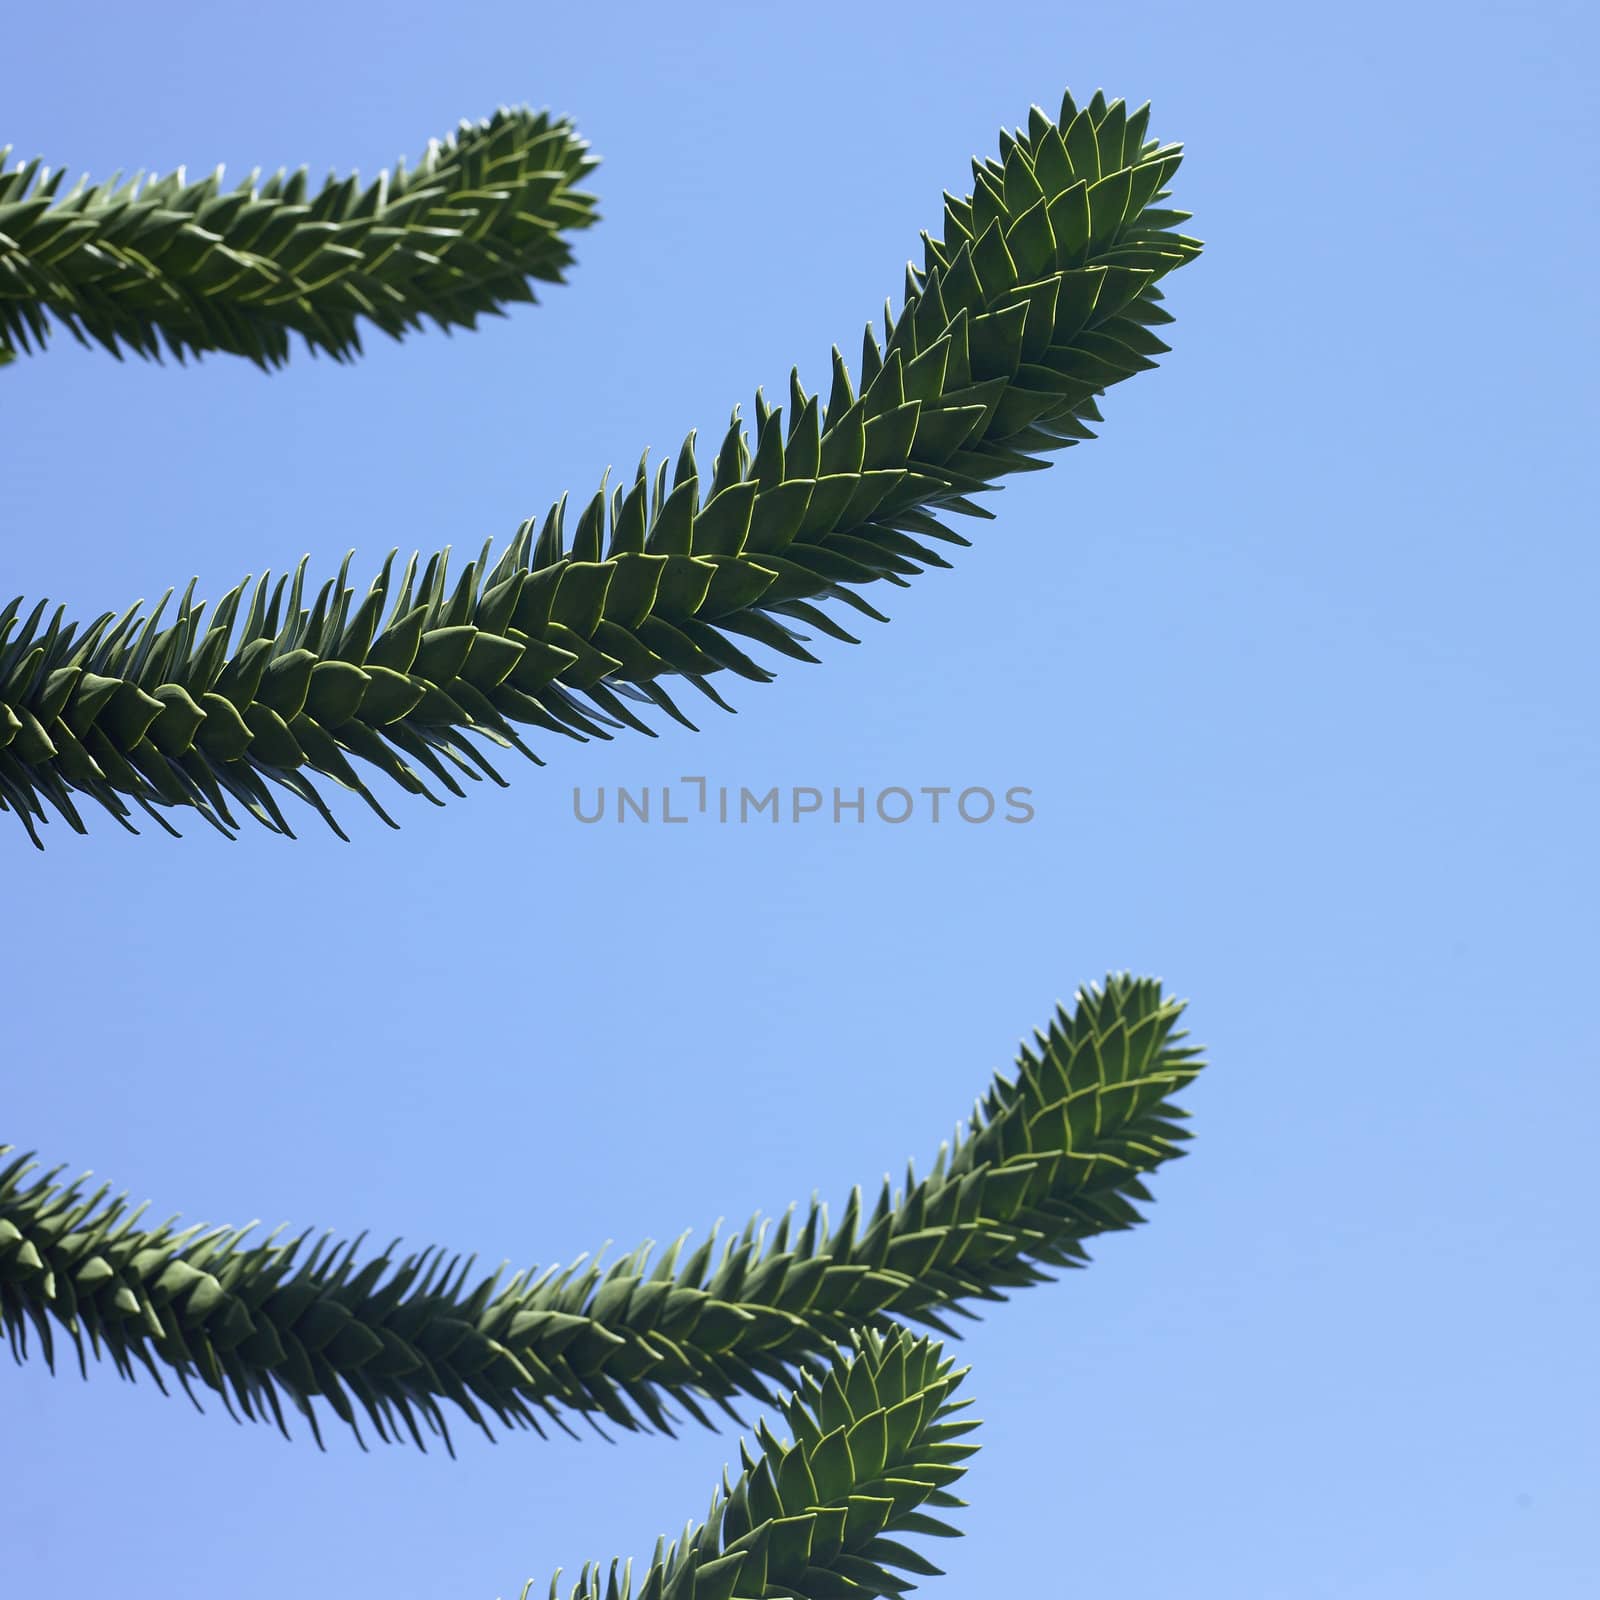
point(196, 268)
point(1042, 292)
point(1049, 1159)
point(821, 1514)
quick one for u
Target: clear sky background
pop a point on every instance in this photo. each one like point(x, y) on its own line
point(1298, 660)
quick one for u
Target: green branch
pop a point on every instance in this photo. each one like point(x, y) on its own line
point(1049, 1159)
point(1042, 293)
point(132, 265)
point(822, 1514)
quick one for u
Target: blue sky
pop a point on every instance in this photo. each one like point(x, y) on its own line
point(1297, 660)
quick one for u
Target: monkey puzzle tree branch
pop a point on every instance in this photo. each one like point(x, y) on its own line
point(822, 1513)
point(198, 268)
point(1048, 1160)
point(1042, 293)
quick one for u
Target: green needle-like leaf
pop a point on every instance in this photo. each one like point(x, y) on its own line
point(808, 1515)
point(1048, 1160)
point(1042, 292)
point(198, 268)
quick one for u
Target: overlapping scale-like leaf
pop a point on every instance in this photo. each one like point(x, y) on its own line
point(193, 267)
point(1049, 1159)
point(874, 1440)
point(1043, 291)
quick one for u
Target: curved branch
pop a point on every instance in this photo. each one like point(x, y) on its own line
point(132, 265)
point(1048, 1160)
point(821, 1513)
point(1042, 293)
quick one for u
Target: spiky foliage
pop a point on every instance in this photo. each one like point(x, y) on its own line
point(1042, 292)
point(822, 1513)
point(199, 268)
point(1049, 1159)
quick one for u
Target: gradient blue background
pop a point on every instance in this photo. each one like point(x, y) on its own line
point(1298, 660)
